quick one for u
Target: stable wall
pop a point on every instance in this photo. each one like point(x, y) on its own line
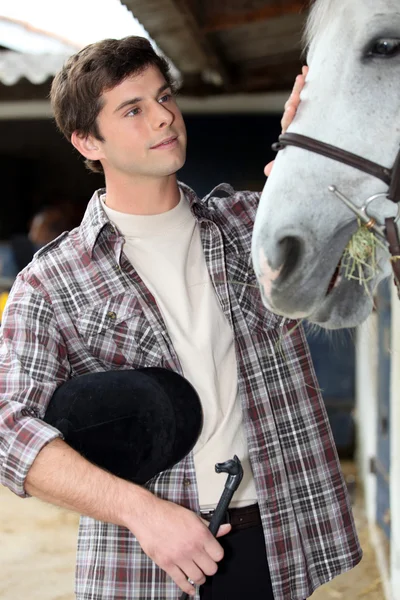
point(38, 166)
point(367, 408)
point(368, 426)
point(395, 449)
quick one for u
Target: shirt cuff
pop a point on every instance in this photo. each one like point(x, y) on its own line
point(31, 436)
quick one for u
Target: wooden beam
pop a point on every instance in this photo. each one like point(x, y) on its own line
point(174, 26)
point(222, 21)
point(276, 77)
point(280, 59)
point(216, 61)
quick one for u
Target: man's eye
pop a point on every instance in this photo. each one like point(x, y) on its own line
point(132, 112)
point(165, 98)
point(385, 48)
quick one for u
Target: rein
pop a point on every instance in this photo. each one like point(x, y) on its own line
point(389, 176)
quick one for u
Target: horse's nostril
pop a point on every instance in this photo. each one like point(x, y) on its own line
point(290, 250)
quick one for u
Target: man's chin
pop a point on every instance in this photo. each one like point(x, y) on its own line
point(172, 168)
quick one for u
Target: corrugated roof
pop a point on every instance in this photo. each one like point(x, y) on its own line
point(30, 53)
point(36, 68)
point(224, 47)
point(22, 37)
point(228, 46)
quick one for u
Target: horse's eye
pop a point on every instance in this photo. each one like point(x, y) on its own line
point(385, 48)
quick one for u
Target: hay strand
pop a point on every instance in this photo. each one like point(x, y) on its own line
point(359, 261)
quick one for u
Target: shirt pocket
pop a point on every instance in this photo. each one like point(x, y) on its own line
point(243, 283)
point(119, 334)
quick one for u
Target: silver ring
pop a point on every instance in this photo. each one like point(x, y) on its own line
point(191, 581)
point(372, 199)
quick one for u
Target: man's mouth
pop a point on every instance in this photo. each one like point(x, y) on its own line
point(168, 142)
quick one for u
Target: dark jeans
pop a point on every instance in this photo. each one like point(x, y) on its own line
point(243, 572)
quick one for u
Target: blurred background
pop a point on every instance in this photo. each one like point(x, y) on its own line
point(235, 61)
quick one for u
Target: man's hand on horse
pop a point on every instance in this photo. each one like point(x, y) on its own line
point(291, 107)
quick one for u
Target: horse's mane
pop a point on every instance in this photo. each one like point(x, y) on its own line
point(319, 15)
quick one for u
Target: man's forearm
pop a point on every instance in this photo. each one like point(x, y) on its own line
point(61, 476)
point(173, 537)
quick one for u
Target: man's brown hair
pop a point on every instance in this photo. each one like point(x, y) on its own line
point(77, 89)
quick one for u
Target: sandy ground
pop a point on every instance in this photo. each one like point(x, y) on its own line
point(37, 554)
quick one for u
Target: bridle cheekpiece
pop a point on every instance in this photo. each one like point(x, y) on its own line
point(390, 177)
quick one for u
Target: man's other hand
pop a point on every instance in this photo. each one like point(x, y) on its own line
point(179, 542)
point(291, 107)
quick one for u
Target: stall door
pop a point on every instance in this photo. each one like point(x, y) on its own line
point(382, 462)
point(334, 362)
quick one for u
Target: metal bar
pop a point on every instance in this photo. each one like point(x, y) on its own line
point(357, 211)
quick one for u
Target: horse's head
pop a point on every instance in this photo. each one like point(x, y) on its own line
point(352, 101)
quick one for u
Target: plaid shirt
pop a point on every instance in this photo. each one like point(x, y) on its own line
point(80, 307)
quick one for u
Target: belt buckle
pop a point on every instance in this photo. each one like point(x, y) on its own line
point(208, 515)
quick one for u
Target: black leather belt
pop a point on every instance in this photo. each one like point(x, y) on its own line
point(239, 518)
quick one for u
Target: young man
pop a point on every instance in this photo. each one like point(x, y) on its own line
point(155, 276)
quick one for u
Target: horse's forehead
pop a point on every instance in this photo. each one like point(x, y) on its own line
point(330, 7)
point(376, 7)
point(329, 13)
point(351, 23)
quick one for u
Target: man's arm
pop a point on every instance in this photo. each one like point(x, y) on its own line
point(35, 460)
point(172, 536)
point(61, 476)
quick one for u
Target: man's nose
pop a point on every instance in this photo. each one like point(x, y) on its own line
point(161, 117)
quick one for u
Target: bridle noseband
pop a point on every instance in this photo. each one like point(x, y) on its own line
point(389, 176)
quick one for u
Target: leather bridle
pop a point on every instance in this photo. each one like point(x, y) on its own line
point(389, 176)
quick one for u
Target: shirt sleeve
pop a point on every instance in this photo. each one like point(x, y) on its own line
point(244, 207)
point(251, 201)
point(33, 363)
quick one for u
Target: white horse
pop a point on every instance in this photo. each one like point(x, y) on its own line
point(351, 100)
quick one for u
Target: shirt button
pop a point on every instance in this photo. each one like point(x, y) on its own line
point(117, 267)
point(112, 315)
point(187, 482)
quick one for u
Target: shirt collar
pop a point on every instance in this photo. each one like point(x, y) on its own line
point(93, 222)
point(95, 219)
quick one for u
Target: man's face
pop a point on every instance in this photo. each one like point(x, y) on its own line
point(143, 128)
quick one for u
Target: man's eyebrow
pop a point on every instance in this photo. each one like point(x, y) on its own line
point(138, 99)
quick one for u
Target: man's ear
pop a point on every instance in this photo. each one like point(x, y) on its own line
point(87, 145)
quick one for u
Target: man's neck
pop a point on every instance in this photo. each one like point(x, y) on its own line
point(142, 196)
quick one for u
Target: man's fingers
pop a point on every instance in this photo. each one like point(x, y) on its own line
point(268, 168)
point(214, 549)
point(293, 101)
point(181, 580)
point(291, 106)
point(193, 572)
point(288, 117)
point(224, 529)
point(206, 564)
point(298, 84)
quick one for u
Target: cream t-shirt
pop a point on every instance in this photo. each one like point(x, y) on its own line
point(167, 253)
